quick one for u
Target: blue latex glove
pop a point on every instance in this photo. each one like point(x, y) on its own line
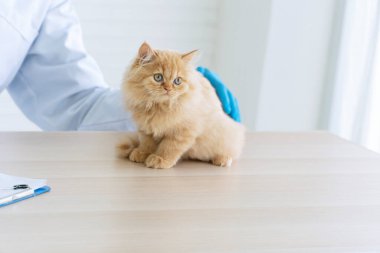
point(229, 102)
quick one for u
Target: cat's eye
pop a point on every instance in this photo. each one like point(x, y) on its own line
point(177, 81)
point(158, 77)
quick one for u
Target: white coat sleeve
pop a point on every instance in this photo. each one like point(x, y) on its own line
point(59, 86)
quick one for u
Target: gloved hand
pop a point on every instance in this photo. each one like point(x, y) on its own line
point(229, 102)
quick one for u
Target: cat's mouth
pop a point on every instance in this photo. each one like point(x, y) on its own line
point(168, 92)
point(168, 95)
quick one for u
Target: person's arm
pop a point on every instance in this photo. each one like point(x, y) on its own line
point(59, 86)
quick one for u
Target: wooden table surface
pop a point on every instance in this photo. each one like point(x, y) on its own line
point(298, 192)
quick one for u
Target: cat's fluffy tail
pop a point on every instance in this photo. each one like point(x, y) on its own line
point(126, 146)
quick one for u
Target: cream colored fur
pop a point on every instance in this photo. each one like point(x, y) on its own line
point(176, 121)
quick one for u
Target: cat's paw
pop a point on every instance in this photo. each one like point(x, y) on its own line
point(138, 156)
point(223, 161)
point(123, 150)
point(157, 162)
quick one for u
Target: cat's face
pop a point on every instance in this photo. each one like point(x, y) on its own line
point(161, 75)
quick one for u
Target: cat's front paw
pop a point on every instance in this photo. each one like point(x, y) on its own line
point(157, 162)
point(138, 156)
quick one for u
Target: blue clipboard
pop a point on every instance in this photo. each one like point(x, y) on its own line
point(37, 192)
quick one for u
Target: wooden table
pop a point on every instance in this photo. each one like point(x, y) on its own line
point(299, 192)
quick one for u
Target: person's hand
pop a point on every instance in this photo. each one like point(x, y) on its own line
point(229, 102)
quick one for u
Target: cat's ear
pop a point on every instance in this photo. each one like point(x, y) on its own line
point(187, 57)
point(146, 53)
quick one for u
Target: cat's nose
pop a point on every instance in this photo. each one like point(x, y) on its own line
point(168, 88)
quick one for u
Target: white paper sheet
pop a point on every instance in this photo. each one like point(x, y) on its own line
point(7, 182)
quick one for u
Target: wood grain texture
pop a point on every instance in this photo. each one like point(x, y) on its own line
point(290, 192)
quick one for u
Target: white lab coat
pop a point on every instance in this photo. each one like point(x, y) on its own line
point(48, 72)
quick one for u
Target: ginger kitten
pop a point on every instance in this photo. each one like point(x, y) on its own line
point(177, 112)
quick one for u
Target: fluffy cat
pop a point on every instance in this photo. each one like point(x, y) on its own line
point(177, 112)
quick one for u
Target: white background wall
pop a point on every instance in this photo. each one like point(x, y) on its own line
point(296, 65)
point(241, 51)
point(273, 54)
point(114, 29)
